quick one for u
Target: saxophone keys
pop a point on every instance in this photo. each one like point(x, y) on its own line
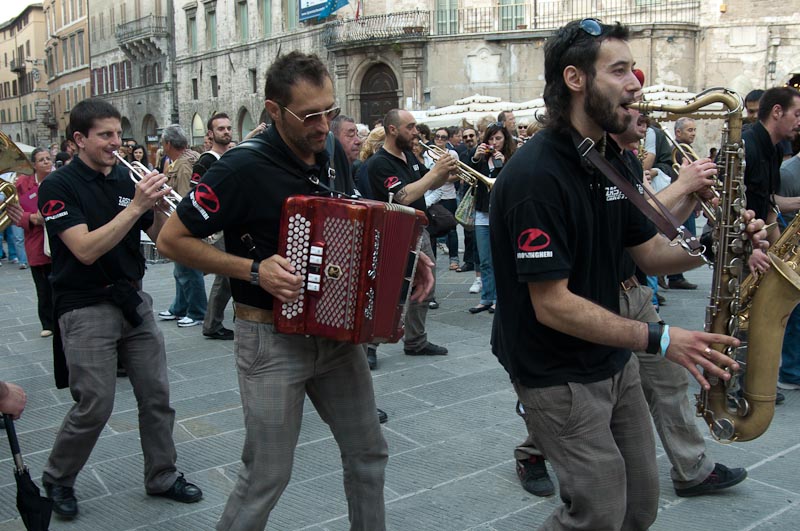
point(736, 268)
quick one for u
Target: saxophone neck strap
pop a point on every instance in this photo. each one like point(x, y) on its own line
point(663, 219)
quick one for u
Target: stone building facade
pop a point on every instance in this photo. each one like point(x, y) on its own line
point(67, 56)
point(23, 85)
point(132, 65)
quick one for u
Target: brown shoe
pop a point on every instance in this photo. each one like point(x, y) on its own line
point(662, 283)
point(681, 283)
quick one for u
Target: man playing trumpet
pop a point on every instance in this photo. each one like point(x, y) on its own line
point(94, 212)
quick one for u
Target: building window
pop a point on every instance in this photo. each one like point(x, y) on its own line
point(80, 8)
point(253, 85)
point(191, 32)
point(27, 48)
point(214, 87)
point(72, 11)
point(194, 88)
point(65, 53)
point(292, 13)
point(157, 77)
point(80, 49)
point(83, 91)
point(94, 29)
point(265, 15)
point(447, 17)
point(211, 29)
point(102, 27)
point(242, 21)
point(128, 74)
point(68, 105)
point(75, 94)
point(63, 12)
point(113, 79)
point(72, 50)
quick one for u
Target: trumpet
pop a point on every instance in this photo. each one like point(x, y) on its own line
point(687, 152)
point(469, 175)
point(137, 170)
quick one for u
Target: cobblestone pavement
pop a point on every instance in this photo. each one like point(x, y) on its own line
point(451, 433)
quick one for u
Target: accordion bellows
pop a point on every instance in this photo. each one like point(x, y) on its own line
point(357, 258)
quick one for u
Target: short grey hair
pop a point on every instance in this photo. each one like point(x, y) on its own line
point(336, 124)
point(682, 122)
point(175, 136)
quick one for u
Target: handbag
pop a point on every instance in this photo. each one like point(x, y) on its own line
point(440, 220)
point(465, 213)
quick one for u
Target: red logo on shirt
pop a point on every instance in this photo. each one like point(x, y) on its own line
point(52, 207)
point(532, 240)
point(206, 198)
point(391, 182)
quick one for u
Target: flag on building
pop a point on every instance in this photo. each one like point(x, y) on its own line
point(331, 6)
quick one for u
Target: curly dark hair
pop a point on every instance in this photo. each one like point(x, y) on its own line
point(571, 45)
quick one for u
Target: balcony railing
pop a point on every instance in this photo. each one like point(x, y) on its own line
point(143, 28)
point(17, 66)
point(533, 15)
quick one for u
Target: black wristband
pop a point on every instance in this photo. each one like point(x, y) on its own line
point(254, 272)
point(654, 332)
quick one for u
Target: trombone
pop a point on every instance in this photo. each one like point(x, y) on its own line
point(139, 170)
point(687, 152)
point(469, 175)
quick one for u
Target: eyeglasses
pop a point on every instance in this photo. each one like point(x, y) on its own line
point(441, 137)
point(310, 119)
point(592, 26)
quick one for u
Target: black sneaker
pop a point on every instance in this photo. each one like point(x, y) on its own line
point(533, 475)
point(223, 333)
point(64, 503)
point(382, 416)
point(720, 478)
point(372, 358)
point(181, 491)
point(428, 350)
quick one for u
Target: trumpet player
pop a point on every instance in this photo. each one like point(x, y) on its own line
point(94, 213)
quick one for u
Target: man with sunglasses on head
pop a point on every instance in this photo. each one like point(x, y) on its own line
point(243, 194)
point(559, 230)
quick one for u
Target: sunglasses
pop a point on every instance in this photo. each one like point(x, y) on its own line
point(441, 137)
point(591, 26)
point(310, 119)
point(469, 136)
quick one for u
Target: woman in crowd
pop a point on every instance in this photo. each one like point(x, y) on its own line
point(372, 144)
point(140, 155)
point(447, 195)
point(489, 158)
point(27, 216)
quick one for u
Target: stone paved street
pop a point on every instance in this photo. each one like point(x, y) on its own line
point(451, 433)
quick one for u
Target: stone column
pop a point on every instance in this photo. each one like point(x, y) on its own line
point(346, 99)
point(411, 84)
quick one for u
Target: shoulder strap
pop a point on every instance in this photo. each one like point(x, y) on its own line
point(663, 219)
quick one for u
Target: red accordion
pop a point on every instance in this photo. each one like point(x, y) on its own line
point(357, 258)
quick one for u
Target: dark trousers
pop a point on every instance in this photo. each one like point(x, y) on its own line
point(470, 252)
point(44, 294)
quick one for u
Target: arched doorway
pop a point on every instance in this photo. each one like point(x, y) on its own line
point(127, 130)
point(245, 124)
point(198, 130)
point(150, 137)
point(265, 117)
point(378, 93)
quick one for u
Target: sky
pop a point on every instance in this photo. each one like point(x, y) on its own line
point(12, 8)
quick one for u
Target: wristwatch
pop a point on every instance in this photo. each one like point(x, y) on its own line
point(254, 272)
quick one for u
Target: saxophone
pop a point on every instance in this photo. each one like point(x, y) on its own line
point(752, 309)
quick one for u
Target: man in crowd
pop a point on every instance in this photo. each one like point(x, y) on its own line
point(94, 214)
point(508, 119)
point(559, 230)
point(345, 130)
point(685, 133)
point(277, 371)
point(190, 303)
point(219, 132)
point(394, 176)
point(778, 120)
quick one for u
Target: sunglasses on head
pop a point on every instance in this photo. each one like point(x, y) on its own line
point(591, 26)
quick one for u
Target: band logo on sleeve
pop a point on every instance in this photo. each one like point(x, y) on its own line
point(123, 201)
point(532, 243)
point(204, 200)
point(391, 182)
point(54, 209)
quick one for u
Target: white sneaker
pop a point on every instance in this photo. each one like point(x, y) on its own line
point(167, 316)
point(787, 386)
point(476, 286)
point(186, 322)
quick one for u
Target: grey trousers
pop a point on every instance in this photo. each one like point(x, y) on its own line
point(415, 337)
point(599, 441)
point(665, 387)
point(276, 372)
point(218, 299)
point(94, 338)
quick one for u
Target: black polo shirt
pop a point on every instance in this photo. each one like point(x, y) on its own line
point(243, 193)
point(552, 219)
point(76, 195)
point(389, 174)
point(762, 173)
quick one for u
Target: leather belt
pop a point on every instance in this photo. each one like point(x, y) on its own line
point(251, 313)
point(629, 283)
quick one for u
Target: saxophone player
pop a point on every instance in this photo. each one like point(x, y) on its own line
point(559, 231)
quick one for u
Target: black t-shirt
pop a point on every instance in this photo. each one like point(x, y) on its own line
point(389, 174)
point(76, 195)
point(552, 219)
point(762, 173)
point(243, 193)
